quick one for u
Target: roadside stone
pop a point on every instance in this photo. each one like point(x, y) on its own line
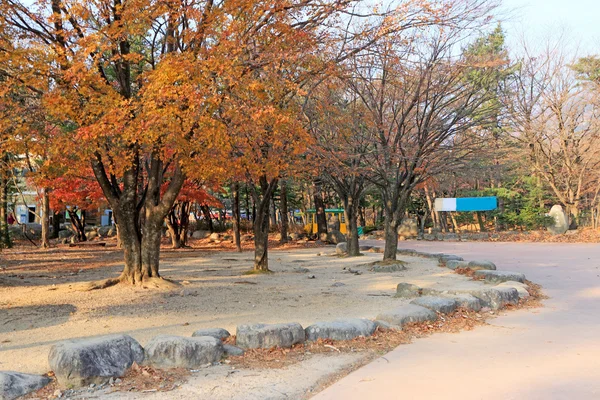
point(521, 288)
point(454, 264)
point(341, 249)
point(294, 236)
point(214, 237)
point(341, 329)
point(232, 350)
point(450, 237)
point(217, 333)
point(481, 265)
point(429, 237)
point(365, 248)
point(500, 276)
point(267, 336)
point(467, 301)
point(301, 270)
point(385, 325)
point(91, 235)
point(408, 290)
point(79, 362)
point(406, 314)
point(169, 351)
point(494, 298)
point(444, 258)
point(437, 304)
point(103, 231)
point(16, 384)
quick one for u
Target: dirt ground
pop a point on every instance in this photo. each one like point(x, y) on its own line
point(40, 303)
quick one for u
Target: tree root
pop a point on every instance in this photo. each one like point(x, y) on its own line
point(147, 283)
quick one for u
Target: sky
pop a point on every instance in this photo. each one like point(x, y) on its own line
point(535, 19)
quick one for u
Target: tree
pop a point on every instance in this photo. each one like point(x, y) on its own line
point(422, 109)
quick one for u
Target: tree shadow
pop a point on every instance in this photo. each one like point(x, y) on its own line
point(31, 317)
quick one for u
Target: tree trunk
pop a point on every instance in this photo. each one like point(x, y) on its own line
point(78, 224)
point(56, 220)
point(235, 192)
point(350, 212)
point(206, 211)
point(5, 241)
point(480, 221)
point(391, 235)
point(45, 219)
point(361, 215)
point(284, 212)
point(150, 247)
point(173, 228)
point(320, 211)
point(262, 201)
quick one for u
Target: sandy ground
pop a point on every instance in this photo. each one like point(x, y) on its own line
point(547, 353)
point(39, 306)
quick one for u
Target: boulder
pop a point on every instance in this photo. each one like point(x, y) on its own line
point(406, 314)
point(520, 287)
point(500, 276)
point(450, 237)
point(232, 350)
point(408, 290)
point(335, 237)
point(15, 384)
point(341, 329)
point(168, 351)
point(112, 232)
point(217, 333)
point(341, 249)
point(214, 237)
point(294, 236)
point(454, 264)
point(481, 265)
point(200, 234)
point(80, 362)
point(91, 235)
point(561, 220)
point(266, 336)
point(437, 304)
point(365, 248)
point(409, 228)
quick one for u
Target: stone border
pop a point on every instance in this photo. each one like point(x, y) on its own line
point(102, 359)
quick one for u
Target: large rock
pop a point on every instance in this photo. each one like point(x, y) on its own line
point(16, 384)
point(91, 235)
point(266, 336)
point(335, 237)
point(80, 362)
point(561, 220)
point(167, 351)
point(409, 228)
point(103, 230)
point(408, 290)
point(481, 264)
point(341, 249)
point(520, 287)
point(500, 276)
point(437, 304)
point(200, 234)
point(445, 258)
point(217, 333)
point(214, 237)
point(406, 314)
point(341, 329)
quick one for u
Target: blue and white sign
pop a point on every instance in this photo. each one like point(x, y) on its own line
point(466, 204)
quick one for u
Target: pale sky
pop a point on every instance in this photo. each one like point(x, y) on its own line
point(579, 19)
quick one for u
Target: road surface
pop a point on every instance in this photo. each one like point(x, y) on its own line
point(546, 353)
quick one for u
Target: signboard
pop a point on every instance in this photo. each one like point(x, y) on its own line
point(466, 204)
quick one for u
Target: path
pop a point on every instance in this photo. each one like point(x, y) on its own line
point(547, 353)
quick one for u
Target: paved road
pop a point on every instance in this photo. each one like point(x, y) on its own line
point(547, 353)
